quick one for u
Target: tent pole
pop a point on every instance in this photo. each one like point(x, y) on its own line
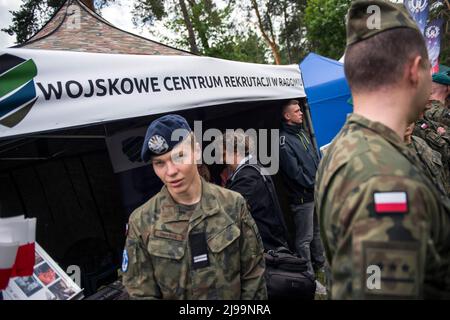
point(311, 128)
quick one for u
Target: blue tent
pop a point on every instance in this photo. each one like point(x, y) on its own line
point(328, 92)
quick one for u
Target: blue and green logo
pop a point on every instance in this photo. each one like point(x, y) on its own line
point(17, 92)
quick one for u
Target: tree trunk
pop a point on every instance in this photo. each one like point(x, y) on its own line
point(288, 42)
point(273, 46)
point(198, 26)
point(187, 22)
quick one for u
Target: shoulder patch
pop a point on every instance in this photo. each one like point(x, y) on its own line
point(391, 269)
point(394, 202)
point(124, 261)
point(282, 140)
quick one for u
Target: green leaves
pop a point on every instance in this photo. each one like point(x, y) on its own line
point(325, 25)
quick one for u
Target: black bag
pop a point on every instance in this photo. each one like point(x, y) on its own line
point(287, 276)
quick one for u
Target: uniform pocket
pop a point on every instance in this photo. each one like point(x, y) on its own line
point(222, 239)
point(169, 267)
point(436, 158)
point(166, 248)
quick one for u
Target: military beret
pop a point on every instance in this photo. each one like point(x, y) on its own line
point(158, 139)
point(360, 20)
point(442, 76)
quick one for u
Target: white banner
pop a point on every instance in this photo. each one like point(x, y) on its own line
point(43, 90)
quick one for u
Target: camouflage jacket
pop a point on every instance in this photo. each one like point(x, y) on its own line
point(427, 130)
point(431, 163)
point(161, 261)
point(438, 112)
point(384, 226)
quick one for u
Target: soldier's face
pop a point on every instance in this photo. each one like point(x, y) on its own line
point(178, 169)
point(293, 114)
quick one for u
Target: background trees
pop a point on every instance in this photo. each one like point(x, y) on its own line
point(262, 31)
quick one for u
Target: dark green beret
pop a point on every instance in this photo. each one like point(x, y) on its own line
point(361, 16)
point(442, 76)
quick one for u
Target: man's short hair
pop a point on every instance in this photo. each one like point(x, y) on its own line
point(379, 61)
point(286, 105)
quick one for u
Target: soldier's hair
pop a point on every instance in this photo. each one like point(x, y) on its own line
point(379, 61)
point(286, 105)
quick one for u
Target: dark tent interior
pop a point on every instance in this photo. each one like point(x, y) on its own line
point(65, 179)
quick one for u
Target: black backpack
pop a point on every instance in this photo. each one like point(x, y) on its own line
point(287, 276)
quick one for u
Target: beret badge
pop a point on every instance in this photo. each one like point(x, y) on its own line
point(157, 144)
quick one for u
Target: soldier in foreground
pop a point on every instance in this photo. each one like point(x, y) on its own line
point(193, 240)
point(384, 224)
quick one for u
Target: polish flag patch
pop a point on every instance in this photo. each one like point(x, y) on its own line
point(390, 202)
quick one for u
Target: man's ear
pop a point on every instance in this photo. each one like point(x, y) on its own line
point(413, 70)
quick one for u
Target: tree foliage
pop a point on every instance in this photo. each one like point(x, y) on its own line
point(293, 41)
point(280, 31)
point(33, 14)
point(30, 17)
point(200, 23)
point(325, 25)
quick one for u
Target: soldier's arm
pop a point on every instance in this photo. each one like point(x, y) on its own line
point(383, 235)
point(138, 274)
point(253, 283)
point(289, 164)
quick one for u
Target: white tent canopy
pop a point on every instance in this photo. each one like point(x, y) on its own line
point(42, 90)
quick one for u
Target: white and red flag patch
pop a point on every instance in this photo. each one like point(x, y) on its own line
point(391, 202)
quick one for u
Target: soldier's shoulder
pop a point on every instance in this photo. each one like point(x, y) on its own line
point(146, 209)
point(419, 142)
point(224, 195)
point(361, 154)
point(436, 104)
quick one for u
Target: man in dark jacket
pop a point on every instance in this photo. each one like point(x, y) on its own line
point(298, 164)
point(249, 179)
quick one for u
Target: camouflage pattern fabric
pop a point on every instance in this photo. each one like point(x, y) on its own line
point(427, 130)
point(360, 15)
point(160, 258)
point(439, 113)
point(410, 248)
point(431, 163)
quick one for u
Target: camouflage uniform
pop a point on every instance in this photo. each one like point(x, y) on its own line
point(412, 248)
point(427, 130)
point(431, 163)
point(160, 259)
point(439, 113)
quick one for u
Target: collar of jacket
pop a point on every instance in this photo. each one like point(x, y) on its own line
point(209, 205)
point(291, 128)
point(432, 103)
point(384, 131)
